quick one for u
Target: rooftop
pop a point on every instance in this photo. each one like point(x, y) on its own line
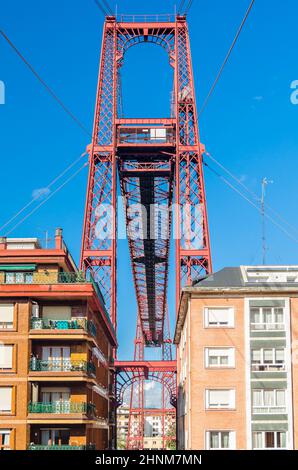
point(236, 280)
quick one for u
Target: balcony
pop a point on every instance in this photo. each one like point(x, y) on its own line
point(73, 324)
point(62, 407)
point(61, 365)
point(61, 447)
point(44, 277)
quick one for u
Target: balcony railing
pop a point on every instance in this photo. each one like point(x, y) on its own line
point(44, 278)
point(61, 365)
point(62, 407)
point(60, 447)
point(275, 410)
point(267, 326)
point(268, 367)
point(73, 324)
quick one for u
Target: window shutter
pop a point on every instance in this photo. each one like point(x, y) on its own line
point(6, 313)
point(5, 399)
point(6, 356)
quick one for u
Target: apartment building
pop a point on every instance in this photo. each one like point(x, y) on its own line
point(153, 427)
point(56, 352)
point(237, 343)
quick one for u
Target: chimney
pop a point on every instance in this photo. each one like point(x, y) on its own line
point(58, 239)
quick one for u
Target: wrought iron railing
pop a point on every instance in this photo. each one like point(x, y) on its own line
point(62, 407)
point(33, 446)
point(61, 365)
point(73, 324)
point(158, 18)
point(45, 277)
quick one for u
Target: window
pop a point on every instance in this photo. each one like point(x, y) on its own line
point(267, 359)
point(220, 357)
point(6, 351)
point(5, 400)
point(55, 437)
point(216, 399)
point(267, 318)
point(56, 357)
point(18, 278)
point(219, 440)
point(269, 401)
point(219, 317)
point(269, 440)
point(6, 316)
point(5, 439)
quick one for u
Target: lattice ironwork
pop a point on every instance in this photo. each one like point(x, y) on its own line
point(158, 161)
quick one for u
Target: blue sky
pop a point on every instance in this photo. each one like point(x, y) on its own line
point(249, 125)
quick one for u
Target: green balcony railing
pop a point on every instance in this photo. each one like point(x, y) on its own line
point(61, 365)
point(62, 407)
point(60, 447)
point(73, 324)
point(45, 277)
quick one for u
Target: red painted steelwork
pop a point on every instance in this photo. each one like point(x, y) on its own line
point(158, 161)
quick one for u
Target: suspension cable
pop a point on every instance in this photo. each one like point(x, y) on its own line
point(38, 195)
point(47, 198)
point(227, 57)
point(45, 85)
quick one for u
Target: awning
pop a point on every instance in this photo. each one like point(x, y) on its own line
point(17, 267)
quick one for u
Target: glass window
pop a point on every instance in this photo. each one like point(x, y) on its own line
point(269, 440)
point(279, 315)
point(255, 315)
point(268, 356)
point(224, 357)
point(269, 397)
point(220, 440)
point(257, 398)
point(281, 440)
point(267, 315)
point(225, 440)
point(5, 439)
point(257, 440)
point(256, 356)
point(214, 440)
point(279, 356)
point(280, 397)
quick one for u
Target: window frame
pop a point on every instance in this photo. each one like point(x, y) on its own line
point(262, 323)
point(231, 357)
point(8, 446)
point(232, 399)
point(231, 322)
point(13, 362)
point(266, 365)
point(275, 440)
point(274, 406)
point(14, 319)
point(232, 439)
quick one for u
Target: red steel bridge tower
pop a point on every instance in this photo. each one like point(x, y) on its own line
point(158, 163)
